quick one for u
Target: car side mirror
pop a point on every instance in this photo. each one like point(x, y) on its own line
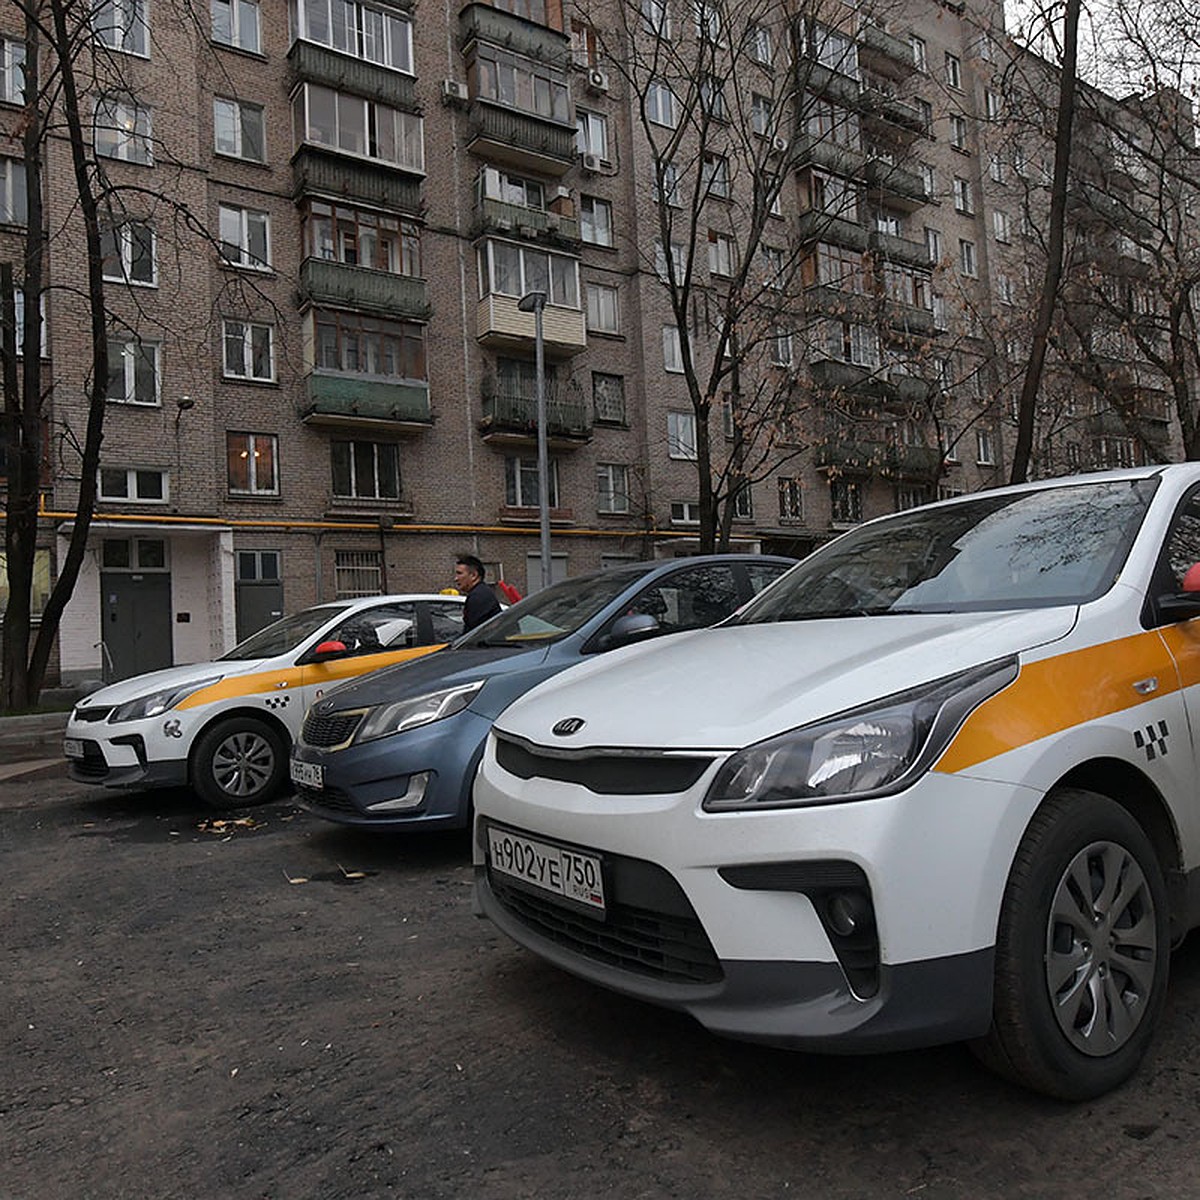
point(1184, 604)
point(327, 650)
point(632, 627)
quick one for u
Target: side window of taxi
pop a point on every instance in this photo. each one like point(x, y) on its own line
point(388, 627)
point(1183, 542)
point(446, 619)
point(690, 599)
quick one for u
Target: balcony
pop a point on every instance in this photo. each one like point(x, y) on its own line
point(521, 140)
point(895, 186)
point(891, 115)
point(821, 227)
point(347, 400)
point(495, 216)
point(483, 23)
point(500, 325)
point(325, 282)
point(511, 417)
point(830, 375)
point(318, 64)
point(909, 318)
point(881, 51)
point(835, 302)
point(825, 81)
point(893, 249)
point(813, 151)
point(317, 172)
point(891, 460)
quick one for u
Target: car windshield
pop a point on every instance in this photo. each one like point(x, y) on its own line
point(1034, 549)
point(553, 613)
point(285, 634)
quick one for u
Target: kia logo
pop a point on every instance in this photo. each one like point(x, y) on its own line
point(568, 726)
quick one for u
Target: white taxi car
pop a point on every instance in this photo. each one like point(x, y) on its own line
point(939, 782)
point(226, 727)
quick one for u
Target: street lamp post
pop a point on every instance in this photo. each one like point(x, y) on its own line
point(535, 302)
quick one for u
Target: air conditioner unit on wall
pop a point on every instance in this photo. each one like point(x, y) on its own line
point(597, 81)
point(590, 162)
point(779, 144)
point(454, 92)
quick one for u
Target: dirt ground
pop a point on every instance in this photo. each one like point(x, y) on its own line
point(283, 1009)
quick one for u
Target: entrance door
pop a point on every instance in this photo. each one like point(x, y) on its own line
point(258, 591)
point(137, 621)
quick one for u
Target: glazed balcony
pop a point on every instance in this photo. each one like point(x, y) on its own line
point(311, 63)
point(500, 325)
point(326, 282)
point(483, 23)
point(881, 51)
point(521, 140)
point(321, 173)
point(349, 400)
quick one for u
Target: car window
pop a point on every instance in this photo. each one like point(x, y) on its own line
point(386, 627)
point(447, 619)
point(761, 575)
point(693, 598)
point(1183, 542)
point(283, 635)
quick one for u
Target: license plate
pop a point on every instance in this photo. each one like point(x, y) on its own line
point(72, 747)
point(309, 774)
point(568, 873)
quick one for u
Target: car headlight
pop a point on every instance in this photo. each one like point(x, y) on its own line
point(419, 710)
point(158, 702)
point(874, 750)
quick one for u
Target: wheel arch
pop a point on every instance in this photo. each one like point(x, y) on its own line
point(254, 714)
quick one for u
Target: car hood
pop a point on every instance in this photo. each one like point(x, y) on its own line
point(443, 668)
point(154, 681)
point(731, 686)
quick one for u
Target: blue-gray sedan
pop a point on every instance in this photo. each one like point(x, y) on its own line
point(398, 748)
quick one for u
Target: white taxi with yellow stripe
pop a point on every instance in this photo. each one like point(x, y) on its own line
point(226, 727)
point(937, 783)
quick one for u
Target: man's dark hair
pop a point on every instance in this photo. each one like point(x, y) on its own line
point(472, 564)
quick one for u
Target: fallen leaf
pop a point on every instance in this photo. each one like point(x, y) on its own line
point(352, 874)
point(295, 878)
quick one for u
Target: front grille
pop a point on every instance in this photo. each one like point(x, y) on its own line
point(659, 937)
point(331, 729)
point(92, 765)
point(607, 773)
point(331, 799)
point(95, 713)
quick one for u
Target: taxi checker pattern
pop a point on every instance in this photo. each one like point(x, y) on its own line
point(1152, 739)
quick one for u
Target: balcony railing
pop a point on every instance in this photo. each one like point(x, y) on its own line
point(834, 376)
point(515, 412)
point(825, 81)
point(909, 318)
point(892, 460)
point(482, 22)
point(325, 282)
point(814, 151)
point(319, 64)
point(897, 185)
point(885, 53)
point(521, 139)
point(316, 172)
point(496, 215)
point(883, 106)
point(821, 227)
point(901, 250)
point(333, 399)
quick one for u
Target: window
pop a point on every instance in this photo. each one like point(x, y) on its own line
point(685, 512)
point(602, 316)
point(707, 19)
point(773, 266)
point(996, 170)
point(660, 103)
point(40, 591)
point(521, 482)
point(958, 132)
point(252, 460)
point(1004, 289)
point(612, 488)
point(678, 261)
point(928, 179)
point(834, 124)
point(791, 501)
point(715, 175)
point(257, 566)
point(133, 483)
point(991, 105)
point(357, 573)
point(245, 237)
point(249, 351)
point(12, 70)
point(585, 44)
point(19, 322)
point(128, 252)
point(656, 18)
point(953, 71)
point(121, 25)
point(667, 191)
point(758, 41)
point(911, 497)
point(950, 443)
point(925, 109)
point(238, 130)
point(712, 97)
point(508, 269)
point(681, 435)
point(351, 343)
point(920, 52)
point(845, 501)
point(720, 253)
point(1002, 226)
point(964, 198)
point(133, 372)
point(236, 23)
point(591, 134)
point(357, 126)
point(839, 268)
point(833, 49)
point(595, 221)
point(985, 454)
point(743, 503)
point(608, 398)
point(123, 130)
point(497, 184)
point(672, 350)
point(933, 243)
point(966, 258)
point(521, 83)
point(360, 238)
point(781, 348)
point(852, 343)
point(379, 35)
point(761, 114)
point(12, 192)
point(365, 470)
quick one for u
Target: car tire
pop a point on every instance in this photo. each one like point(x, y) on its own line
point(1082, 951)
point(238, 761)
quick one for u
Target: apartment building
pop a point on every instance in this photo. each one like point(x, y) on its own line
point(324, 216)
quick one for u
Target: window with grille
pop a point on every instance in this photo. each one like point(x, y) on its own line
point(608, 398)
point(357, 573)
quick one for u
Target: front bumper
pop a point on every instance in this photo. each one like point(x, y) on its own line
point(380, 771)
point(142, 772)
point(934, 861)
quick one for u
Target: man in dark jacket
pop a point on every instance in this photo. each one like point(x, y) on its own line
point(481, 600)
